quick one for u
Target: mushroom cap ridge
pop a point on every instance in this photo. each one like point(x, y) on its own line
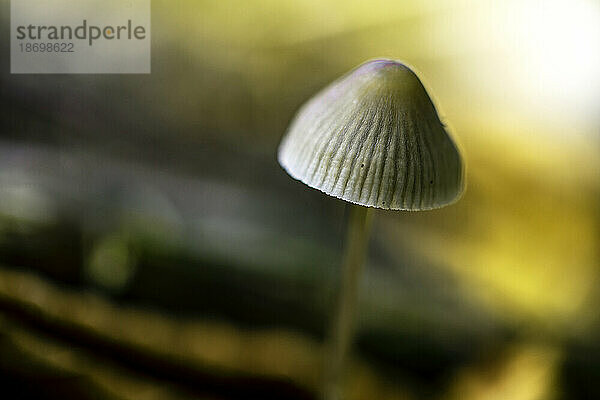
point(373, 137)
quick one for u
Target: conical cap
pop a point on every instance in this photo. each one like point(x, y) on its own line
point(373, 137)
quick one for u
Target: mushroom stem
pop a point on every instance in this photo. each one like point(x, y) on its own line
point(343, 324)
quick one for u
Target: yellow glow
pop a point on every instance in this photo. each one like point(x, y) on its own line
point(526, 372)
point(561, 42)
point(526, 60)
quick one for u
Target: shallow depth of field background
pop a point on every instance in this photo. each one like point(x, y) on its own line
point(152, 248)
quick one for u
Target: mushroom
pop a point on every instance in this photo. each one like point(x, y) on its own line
point(372, 138)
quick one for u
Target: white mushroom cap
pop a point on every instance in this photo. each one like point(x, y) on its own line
point(373, 137)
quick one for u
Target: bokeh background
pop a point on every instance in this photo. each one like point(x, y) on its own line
point(152, 248)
